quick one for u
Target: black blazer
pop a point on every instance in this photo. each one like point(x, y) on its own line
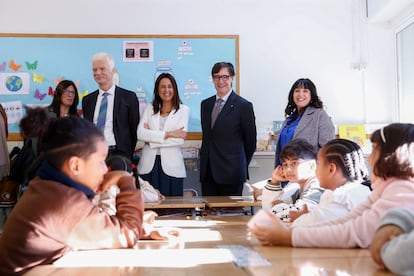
point(230, 144)
point(125, 117)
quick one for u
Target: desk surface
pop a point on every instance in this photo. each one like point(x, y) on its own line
point(231, 201)
point(177, 202)
point(199, 251)
point(202, 201)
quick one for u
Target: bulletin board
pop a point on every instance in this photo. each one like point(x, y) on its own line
point(31, 65)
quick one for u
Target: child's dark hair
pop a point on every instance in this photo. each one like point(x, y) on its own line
point(298, 149)
point(122, 163)
point(348, 156)
point(35, 123)
point(315, 101)
point(61, 138)
point(395, 146)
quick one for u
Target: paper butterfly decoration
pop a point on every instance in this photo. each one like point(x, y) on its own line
point(3, 66)
point(56, 81)
point(77, 83)
point(39, 95)
point(81, 95)
point(31, 66)
point(38, 78)
point(51, 92)
point(15, 67)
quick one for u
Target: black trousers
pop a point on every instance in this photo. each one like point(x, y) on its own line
point(209, 187)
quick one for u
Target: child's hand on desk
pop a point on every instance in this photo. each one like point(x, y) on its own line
point(383, 235)
point(163, 234)
point(160, 233)
point(274, 232)
point(112, 178)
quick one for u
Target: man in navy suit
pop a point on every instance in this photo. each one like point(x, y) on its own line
point(122, 107)
point(228, 139)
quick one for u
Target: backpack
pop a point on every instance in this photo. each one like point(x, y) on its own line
point(21, 162)
point(24, 165)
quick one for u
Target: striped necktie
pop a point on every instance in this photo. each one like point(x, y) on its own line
point(102, 112)
point(216, 111)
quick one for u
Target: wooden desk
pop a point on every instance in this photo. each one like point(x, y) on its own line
point(197, 252)
point(198, 203)
point(177, 202)
point(232, 201)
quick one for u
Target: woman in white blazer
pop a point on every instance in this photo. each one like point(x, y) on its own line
point(163, 128)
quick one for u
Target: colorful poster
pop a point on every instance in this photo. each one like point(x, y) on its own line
point(356, 133)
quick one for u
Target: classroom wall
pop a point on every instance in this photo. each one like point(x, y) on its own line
point(350, 60)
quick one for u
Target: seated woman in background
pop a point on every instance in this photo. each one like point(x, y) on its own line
point(341, 170)
point(392, 185)
point(65, 100)
point(56, 213)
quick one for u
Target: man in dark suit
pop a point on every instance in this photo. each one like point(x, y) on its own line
point(228, 139)
point(120, 116)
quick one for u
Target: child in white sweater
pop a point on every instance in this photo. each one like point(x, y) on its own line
point(341, 171)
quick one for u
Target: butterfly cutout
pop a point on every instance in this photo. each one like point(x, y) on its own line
point(31, 66)
point(81, 95)
point(77, 83)
point(38, 78)
point(51, 92)
point(3, 66)
point(15, 67)
point(56, 81)
point(39, 95)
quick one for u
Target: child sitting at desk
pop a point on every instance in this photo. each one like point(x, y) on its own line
point(392, 178)
point(341, 170)
point(298, 167)
point(107, 201)
point(56, 214)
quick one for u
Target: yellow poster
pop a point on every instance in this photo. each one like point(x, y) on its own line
point(354, 133)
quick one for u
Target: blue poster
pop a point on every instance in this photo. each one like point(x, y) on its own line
point(31, 67)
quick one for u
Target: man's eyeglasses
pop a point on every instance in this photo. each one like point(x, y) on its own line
point(68, 92)
point(223, 77)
